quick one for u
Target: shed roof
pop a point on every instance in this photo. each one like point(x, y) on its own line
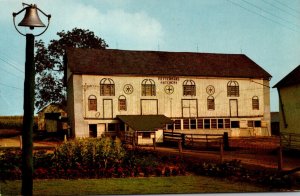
point(145, 122)
point(120, 62)
point(291, 79)
point(275, 117)
point(54, 106)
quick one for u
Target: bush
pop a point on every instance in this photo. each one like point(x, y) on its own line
point(92, 154)
point(167, 172)
point(158, 171)
point(175, 171)
point(10, 164)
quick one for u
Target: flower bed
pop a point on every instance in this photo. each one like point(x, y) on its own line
point(107, 158)
point(90, 158)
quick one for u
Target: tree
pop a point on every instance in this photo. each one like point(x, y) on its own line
point(50, 85)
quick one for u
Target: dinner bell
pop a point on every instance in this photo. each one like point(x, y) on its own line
point(31, 18)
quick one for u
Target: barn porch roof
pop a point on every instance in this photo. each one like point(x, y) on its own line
point(145, 122)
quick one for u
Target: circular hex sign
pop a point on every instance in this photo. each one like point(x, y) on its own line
point(169, 89)
point(210, 89)
point(128, 89)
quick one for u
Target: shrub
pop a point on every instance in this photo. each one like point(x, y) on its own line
point(175, 171)
point(10, 164)
point(167, 171)
point(42, 159)
point(90, 155)
point(158, 171)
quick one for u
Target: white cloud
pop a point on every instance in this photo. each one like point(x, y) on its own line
point(131, 30)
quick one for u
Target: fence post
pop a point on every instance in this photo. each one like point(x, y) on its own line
point(183, 139)
point(20, 142)
point(221, 151)
point(180, 146)
point(133, 139)
point(226, 141)
point(280, 159)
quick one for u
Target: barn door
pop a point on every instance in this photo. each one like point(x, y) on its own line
point(51, 125)
point(189, 108)
point(233, 106)
point(149, 107)
point(107, 108)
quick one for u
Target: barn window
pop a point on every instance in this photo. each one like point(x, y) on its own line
point(146, 135)
point(206, 123)
point(189, 88)
point(254, 123)
point(213, 123)
point(235, 124)
point(257, 123)
point(255, 103)
point(170, 126)
point(177, 124)
point(148, 87)
point(92, 103)
point(220, 124)
point(227, 123)
point(186, 124)
point(193, 124)
point(210, 103)
point(122, 103)
point(233, 89)
point(107, 87)
point(200, 123)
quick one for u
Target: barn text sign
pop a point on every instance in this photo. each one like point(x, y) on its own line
point(168, 80)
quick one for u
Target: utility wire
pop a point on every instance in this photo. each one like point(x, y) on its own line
point(10, 86)
point(10, 73)
point(257, 7)
point(256, 13)
point(11, 60)
point(14, 66)
point(297, 11)
point(280, 9)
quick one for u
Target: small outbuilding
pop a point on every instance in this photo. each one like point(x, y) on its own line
point(144, 129)
point(52, 118)
point(289, 101)
point(289, 107)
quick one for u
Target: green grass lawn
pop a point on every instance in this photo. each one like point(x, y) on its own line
point(152, 185)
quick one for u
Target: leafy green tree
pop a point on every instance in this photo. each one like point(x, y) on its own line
point(50, 69)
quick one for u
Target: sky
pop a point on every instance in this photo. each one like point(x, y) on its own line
point(267, 31)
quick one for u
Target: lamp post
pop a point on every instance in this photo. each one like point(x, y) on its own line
point(31, 20)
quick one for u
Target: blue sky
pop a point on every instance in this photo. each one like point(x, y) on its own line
point(267, 31)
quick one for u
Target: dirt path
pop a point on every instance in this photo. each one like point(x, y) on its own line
point(15, 142)
point(262, 160)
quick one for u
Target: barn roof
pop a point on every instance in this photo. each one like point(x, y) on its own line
point(291, 79)
point(126, 62)
point(145, 122)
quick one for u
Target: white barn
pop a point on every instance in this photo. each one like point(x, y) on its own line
point(111, 91)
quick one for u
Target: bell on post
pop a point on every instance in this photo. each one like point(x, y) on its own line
point(31, 18)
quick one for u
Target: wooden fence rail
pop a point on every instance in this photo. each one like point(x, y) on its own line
point(290, 140)
point(192, 139)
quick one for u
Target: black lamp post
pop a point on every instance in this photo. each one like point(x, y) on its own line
point(31, 20)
